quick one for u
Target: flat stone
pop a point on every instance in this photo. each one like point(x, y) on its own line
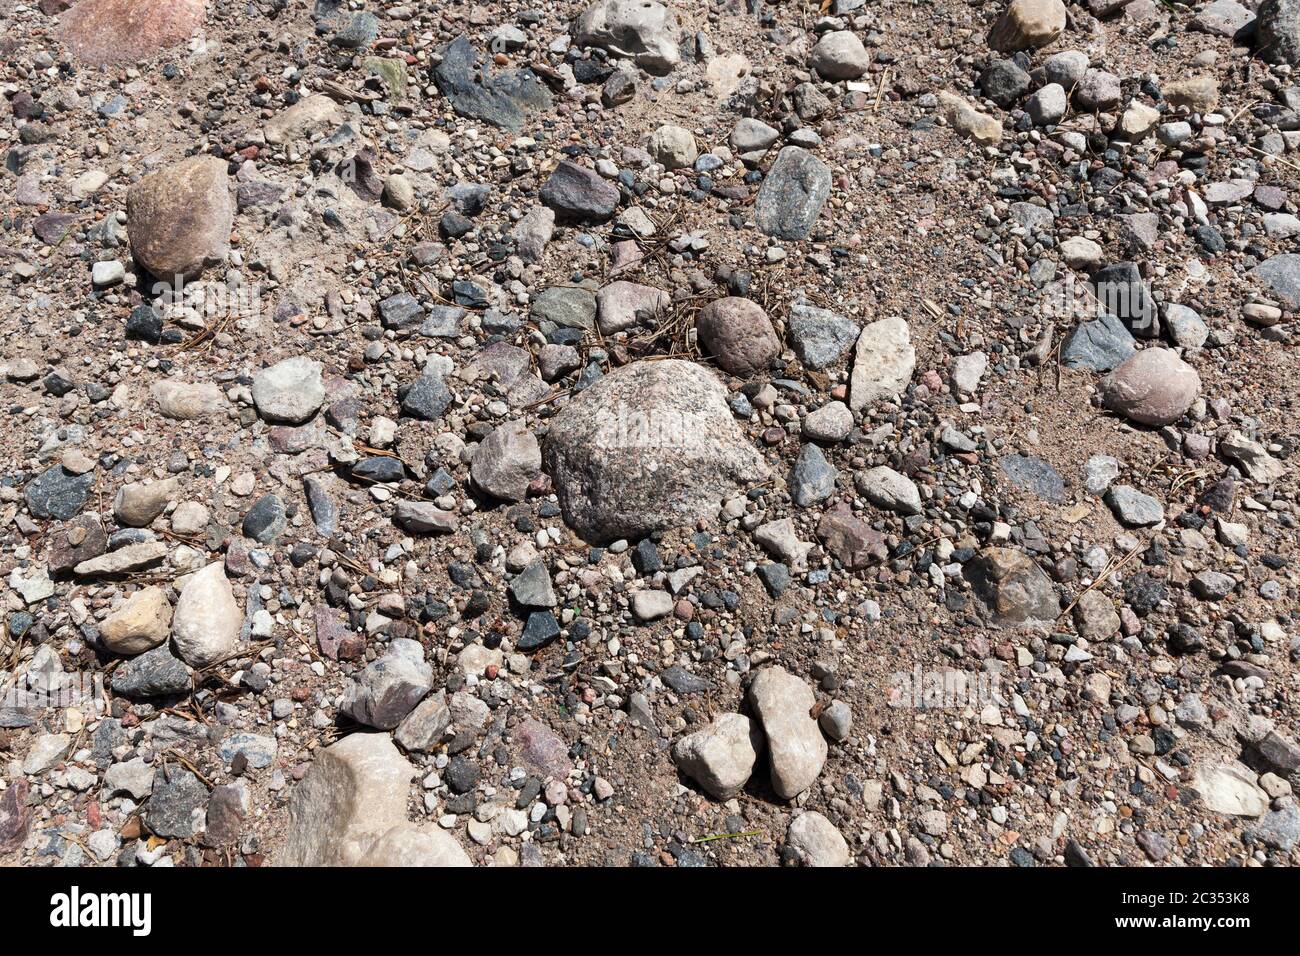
point(57, 493)
point(792, 194)
point(1229, 788)
point(290, 391)
point(888, 489)
point(105, 32)
point(577, 194)
point(390, 687)
point(1013, 587)
point(883, 363)
point(1133, 508)
point(502, 98)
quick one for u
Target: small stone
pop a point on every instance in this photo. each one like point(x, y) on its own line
point(721, 757)
point(506, 462)
point(814, 841)
point(840, 55)
point(1027, 25)
point(1133, 508)
point(792, 194)
point(290, 391)
point(886, 488)
point(142, 623)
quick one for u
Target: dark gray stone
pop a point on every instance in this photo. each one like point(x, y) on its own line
point(578, 194)
point(56, 493)
point(792, 194)
point(266, 520)
point(813, 478)
point(1101, 345)
point(155, 673)
point(178, 806)
point(1034, 474)
point(820, 337)
point(502, 99)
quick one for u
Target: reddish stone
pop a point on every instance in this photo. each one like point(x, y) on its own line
point(102, 32)
point(15, 816)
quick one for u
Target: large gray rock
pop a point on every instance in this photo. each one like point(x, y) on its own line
point(645, 31)
point(206, 622)
point(652, 445)
point(355, 793)
point(179, 218)
point(1278, 32)
point(389, 688)
point(883, 363)
point(796, 748)
point(1013, 586)
point(889, 489)
point(792, 194)
point(721, 757)
point(503, 98)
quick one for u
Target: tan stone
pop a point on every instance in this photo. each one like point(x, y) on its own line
point(140, 624)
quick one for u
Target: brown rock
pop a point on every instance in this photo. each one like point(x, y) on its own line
point(141, 624)
point(738, 334)
point(179, 218)
point(101, 32)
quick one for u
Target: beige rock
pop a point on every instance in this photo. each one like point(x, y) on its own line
point(205, 627)
point(139, 625)
point(968, 121)
point(137, 504)
point(721, 757)
point(187, 401)
point(1199, 94)
point(1028, 25)
point(354, 794)
point(410, 845)
point(309, 115)
point(883, 363)
point(816, 841)
point(796, 748)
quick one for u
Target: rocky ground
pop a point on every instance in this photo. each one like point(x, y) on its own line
point(739, 433)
